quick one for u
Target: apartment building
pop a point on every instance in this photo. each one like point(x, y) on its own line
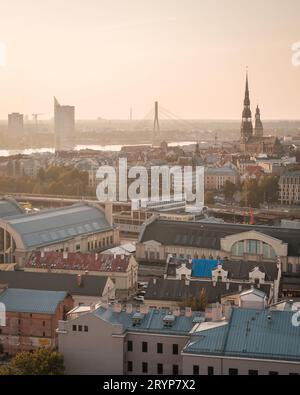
point(221, 341)
point(289, 188)
point(31, 318)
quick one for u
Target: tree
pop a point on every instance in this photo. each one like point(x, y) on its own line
point(44, 361)
point(202, 303)
point(196, 303)
point(209, 198)
point(229, 190)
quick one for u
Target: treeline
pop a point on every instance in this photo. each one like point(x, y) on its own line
point(250, 193)
point(52, 181)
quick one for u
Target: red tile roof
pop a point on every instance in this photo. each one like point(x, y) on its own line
point(91, 262)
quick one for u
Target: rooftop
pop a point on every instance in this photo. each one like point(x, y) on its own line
point(203, 268)
point(31, 301)
point(52, 226)
point(91, 262)
point(9, 207)
point(179, 290)
point(252, 334)
point(209, 235)
point(152, 321)
point(90, 285)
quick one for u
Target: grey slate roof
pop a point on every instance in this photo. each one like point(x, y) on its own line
point(91, 285)
point(9, 207)
point(209, 235)
point(31, 301)
point(240, 270)
point(56, 225)
point(251, 334)
point(179, 291)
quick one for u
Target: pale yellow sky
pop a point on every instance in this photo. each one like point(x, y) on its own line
point(104, 56)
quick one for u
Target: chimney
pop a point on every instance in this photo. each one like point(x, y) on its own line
point(176, 312)
point(144, 309)
point(109, 213)
point(79, 280)
point(129, 309)
point(227, 311)
point(217, 314)
point(118, 308)
point(188, 312)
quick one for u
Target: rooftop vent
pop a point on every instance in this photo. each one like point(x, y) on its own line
point(169, 320)
point(137, 319)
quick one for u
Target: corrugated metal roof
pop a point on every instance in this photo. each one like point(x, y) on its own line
point(31, 301)
point(252, 334)
point(9, 207)
point(53, 226)
point(203, 267)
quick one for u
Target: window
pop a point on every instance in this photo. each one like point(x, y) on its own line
point(268, 251)
point(238, 249)
point(74, 328)
point(196, 370)
point(254, 247)
point(175, 370)
point(129, 345)
point(210, 371)
point(253, 372)
point(159, 348)
point(80, 328)
point(273, 373)
point(44, 334)
point(233, 372)
point(77, 247)
point(145, 367)
point(44, 323)
point(86, 328)
point(160, 368)
point(144, 347)
point(129, 366)
point(175, 349)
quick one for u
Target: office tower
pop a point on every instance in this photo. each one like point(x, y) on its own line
point(15, 123)
point(64, 125)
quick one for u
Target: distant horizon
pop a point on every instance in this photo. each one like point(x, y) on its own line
point(30, 122)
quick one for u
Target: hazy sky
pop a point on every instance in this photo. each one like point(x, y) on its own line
point(104, 56)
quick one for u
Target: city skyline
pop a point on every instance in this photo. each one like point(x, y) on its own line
point(106, 57)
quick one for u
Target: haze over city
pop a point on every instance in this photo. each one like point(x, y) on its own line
point(109, 56)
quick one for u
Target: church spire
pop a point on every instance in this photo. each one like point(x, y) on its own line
point(247, 95)
point(259, 129)
point(247, 127)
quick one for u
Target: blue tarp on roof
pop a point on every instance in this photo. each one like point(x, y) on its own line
point(203, 267)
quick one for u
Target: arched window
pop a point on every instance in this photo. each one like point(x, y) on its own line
point(254, 247)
